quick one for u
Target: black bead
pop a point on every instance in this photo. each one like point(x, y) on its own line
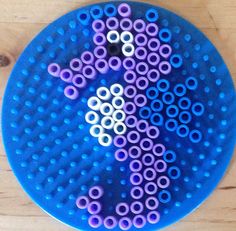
point(114, 49)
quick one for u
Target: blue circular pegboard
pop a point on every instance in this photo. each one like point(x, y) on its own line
point(47, 140)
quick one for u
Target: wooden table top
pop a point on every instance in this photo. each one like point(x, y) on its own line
point(21, 20)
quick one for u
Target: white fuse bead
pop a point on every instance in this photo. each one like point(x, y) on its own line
point(92, 117)
point(116, 89)
point(103, 93)
point(128, 49)
point(120, 128)
point(118, 102)
point(94, 103)
point(126, 37)
point(107, 122)
point(118, 115)
point(113, 36)
point(106, 109)
point(105, 139)
point(96, 130)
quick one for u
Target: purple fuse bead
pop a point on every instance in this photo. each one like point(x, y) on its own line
point(125, 223)
point(163, 182)
point(135, 152)
point(152, 203)
point(139, 221)
point(165, 50)
point(153, 132)
point(71, 92)
point(153, 217)
point(122, 209)
point(126, 24)
point(158, 149)
point(131, 121)
point(153, 58)
point(139, 25)
point(66, 75)
point(95, 221)
point(137, 192)
point(136, 178)
point(142, 126)
point(146, 144)
point(121, 155)
point(102, 66)
point(129, 108)
point(133, 137)
point(110, 222)
point(115, 63)
point(99, 39)
point(152, 29)
point(141, 40)
point(54, 69)
point(149, 174)
point(79, 81)
point(153, 75)
point(140, 100)
point(135, 165)
point(76, 65)
point(136, 207)
point(150, 188)
point(89, 72)
point(141, 53)
point(130, 76)
point(96, 192)
point(112, 23)
point(87, 57)
point(129, 63)
point(164, 67)
point(120, 141)
point(142, 68)
point(82, 202)
point(124, 10)
point(98, 25)
point(160, 166)
point(142, 83)
point(148, 159)
point(94, 207)
point(100, 52)
point(154, 44)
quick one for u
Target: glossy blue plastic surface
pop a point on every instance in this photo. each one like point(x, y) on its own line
point(47, 140)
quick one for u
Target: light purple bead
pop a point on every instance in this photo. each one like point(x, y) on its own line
point(66, 75)
point(136, 207)
point(153, 58)
point(131, 121)
point(135, 165)
point(100, 52)
point(54, 69)
point(164, 67)
point(141, 53)
point(146, 144)
point(133, 137)
point(152, 203)
point(125, 223)
point(98, 25)
point(96, 192)
point(135, 152)
point(139, 25)
point(153, 44)
point(129, 108)
point(141, 40)
point(130, 76)
point(89, 72)
point(142, 83)
point(165, 50)
point(140, 100)
point(160, 166)
point(82, 202)
point(124, 10)
point(136, 178)
point(153, 75)
point(79, 81)
point(152, 29)
point(158, 149)
point(122, 209)
point(153, 132)
point(163, 182)
point(136, 192)
point(150, 188)
point(87, 57)
point(153, 217)
point(139, 221)
point(142, 126)
point(94, 207)
point(112, 23)
point(149, 174)
point(95, 221)
point(142, 68)
point(71, 92)
point(121, 155)
point(120, 141)
point(115, 63)
point(99, 39)
point(110, 222)
point(102, 66)
point(126, 24)
point(129, 63)
point(76, 65)
point(148, 159)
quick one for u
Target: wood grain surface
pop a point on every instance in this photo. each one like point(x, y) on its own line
point(21, 20)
